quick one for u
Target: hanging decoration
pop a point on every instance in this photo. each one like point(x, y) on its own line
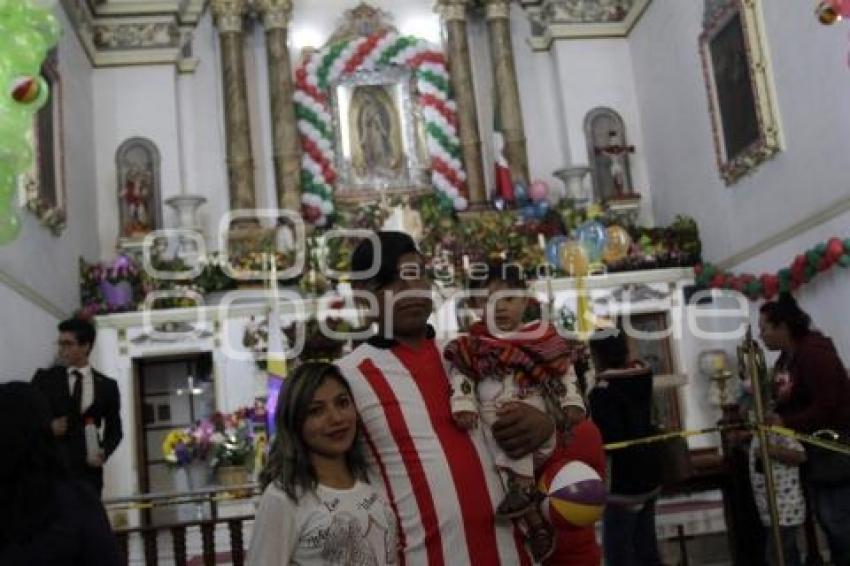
point(766, 286)
point(832, 11)
point(27, 31)
point(315, 124)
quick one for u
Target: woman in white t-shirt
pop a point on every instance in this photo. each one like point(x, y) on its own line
point(787, 456)
point(317, 507)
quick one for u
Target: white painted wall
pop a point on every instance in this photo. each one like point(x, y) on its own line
point(37, 258)
point(138, 101)
point(598, 72)
point(542, 105)
point(812, 83)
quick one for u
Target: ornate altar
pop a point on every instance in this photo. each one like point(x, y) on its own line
point(376, 118)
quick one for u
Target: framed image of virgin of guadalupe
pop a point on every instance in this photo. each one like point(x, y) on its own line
point(740, 92)
point(379, 135)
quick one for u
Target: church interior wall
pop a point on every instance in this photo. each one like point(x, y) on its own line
point(827, 296)
point(598, 72)
point(131, 102)
point(542, 104)
point(811, 81)
point(46, 263)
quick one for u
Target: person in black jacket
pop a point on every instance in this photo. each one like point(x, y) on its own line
point(77, 393)
point(621, 406)
point(46, 517)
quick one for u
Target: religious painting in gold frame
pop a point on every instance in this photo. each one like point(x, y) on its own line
point(379, 137)
point(741, 99)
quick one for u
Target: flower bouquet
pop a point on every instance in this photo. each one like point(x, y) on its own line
point(231, 442)
point(110, 287)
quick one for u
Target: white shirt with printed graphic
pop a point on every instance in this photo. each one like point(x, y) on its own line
point(329, 527)
point(789, 492)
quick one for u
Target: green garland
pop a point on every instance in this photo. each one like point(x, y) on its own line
point(805, 266)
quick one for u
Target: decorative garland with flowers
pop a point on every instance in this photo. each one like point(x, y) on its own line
point(315, 124)
point(766, 286)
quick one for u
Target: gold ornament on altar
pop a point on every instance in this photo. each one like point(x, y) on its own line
point(574, 259)
point(617, 244)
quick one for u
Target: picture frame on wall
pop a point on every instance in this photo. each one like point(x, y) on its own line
point(44, 185)
point(741, 98)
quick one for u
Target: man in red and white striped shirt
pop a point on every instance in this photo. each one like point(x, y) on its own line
point(439, 479)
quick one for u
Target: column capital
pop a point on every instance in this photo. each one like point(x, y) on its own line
point(497, 9)
point(228, 14)
point(276, 13)
point(453, 10)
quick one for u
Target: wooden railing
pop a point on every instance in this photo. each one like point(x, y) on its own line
point(149, 534)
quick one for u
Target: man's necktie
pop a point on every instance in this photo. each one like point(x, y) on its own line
point(77, 393)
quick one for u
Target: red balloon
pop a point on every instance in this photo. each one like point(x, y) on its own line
point(835, 246)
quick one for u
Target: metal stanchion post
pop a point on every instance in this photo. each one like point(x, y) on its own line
point(750, 352)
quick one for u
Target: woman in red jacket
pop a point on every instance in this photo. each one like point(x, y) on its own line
point(813, 393)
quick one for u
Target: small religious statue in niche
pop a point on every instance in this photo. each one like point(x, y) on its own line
point(608, 153)
point(138, 187)
point(376, 137)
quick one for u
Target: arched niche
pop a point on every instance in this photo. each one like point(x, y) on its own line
point(138, 165)
point(608, 154)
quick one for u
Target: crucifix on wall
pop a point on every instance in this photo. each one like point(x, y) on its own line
point(608, 153)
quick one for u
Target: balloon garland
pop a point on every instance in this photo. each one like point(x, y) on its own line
point(315, 124)
point(803, 269)
point(27, 31)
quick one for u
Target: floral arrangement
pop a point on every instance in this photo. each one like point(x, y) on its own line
point(110, 287)
point(221, 440)
point(317, 346)
point(181, 447)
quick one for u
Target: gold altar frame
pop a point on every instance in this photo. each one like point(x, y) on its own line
point(746, 132)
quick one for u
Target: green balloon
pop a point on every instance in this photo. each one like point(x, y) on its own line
point(844, 261)
point(47, 25)
point(8, 184)
point(17, 153)
point(14, 120)
point(28, 51)
point(10, 227)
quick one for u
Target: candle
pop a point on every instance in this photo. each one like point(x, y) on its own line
point(465, 263)
point(541, 240)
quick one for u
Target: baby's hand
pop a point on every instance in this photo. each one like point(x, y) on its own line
point(467, 420)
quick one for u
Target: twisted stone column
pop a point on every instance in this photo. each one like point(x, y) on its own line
point(453, 13)
point(240, 162)
point(507, 101)
point(285, 142)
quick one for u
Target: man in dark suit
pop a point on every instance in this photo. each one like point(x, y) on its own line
point(76, 394)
